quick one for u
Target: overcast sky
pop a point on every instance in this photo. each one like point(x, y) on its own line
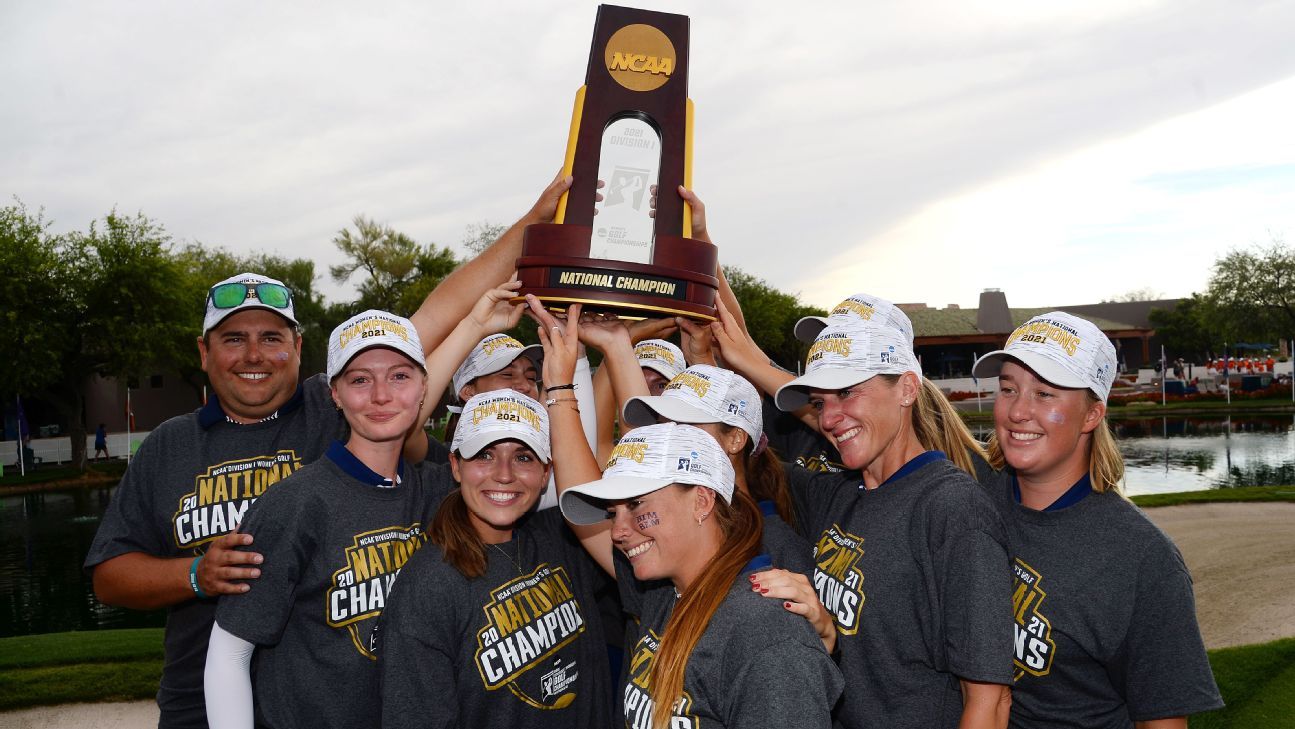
point(922, 151)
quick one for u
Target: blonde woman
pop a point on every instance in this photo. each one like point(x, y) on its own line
point(911, 557)
point(1106, 632)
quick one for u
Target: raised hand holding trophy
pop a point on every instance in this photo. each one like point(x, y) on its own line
point(631, 134)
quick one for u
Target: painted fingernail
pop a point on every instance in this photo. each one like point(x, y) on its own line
point(764, 592)
point(751, 578)
point(787, 605)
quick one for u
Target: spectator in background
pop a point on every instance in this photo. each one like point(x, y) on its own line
point(101, 442)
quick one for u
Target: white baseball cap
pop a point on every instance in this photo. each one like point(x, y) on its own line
point(1061, 348)
point(847, 352)
point(247, 291)
point(660, 356)
point(370, 329)
point(702, 394)
point(492, 354)
point(859, 306)
point(648, 459)
point(490, 417)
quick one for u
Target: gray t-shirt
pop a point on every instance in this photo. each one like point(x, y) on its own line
point(192, 481)
point(1106, 631)
point(755, 665)
point(334, 543)
point(915, 574)
point(520, 646)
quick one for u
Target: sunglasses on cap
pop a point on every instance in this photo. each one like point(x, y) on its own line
point(230, 295)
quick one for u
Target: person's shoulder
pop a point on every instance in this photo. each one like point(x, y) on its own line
point(310, 483)
point(182, 428)
point(428, 563)
point(950, 495)
point(747, 620)
point(1120, 517)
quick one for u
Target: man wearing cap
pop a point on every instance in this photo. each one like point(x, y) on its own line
point(167, 539)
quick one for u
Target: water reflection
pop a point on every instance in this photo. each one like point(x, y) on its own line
point(44, 538)
point(1192, 453)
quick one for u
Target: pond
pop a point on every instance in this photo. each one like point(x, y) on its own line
point(44, 537)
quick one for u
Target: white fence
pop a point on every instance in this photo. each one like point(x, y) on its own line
point(59, 450)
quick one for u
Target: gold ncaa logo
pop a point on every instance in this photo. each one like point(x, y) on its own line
point(640, 57)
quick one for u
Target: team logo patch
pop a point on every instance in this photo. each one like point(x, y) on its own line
point(359, 590)
point(1033, 648)
point(528, 621)
point(638, 690)
point(222, 496)
point(837, 577)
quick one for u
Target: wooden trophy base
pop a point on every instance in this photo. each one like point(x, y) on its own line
point(555, 267)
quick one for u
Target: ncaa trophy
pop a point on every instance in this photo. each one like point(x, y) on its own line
point(631, 129)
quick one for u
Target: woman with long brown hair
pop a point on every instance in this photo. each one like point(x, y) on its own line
point(1106, 630)
point(706, 648)
point(494, 622)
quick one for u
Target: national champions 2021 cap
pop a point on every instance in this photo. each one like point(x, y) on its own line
point(492, 354)
point(373, 328)
point(1061, 348)
point(847, 352)
point(490, 417)
point(702, 394)
point(859, 306)
point(648, 459)
point(660, 356)
point(278, 298)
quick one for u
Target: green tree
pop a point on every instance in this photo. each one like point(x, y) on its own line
point(34, 303)
point(1187, 329)
point(1252, 292)
point(398, 272)
point(770, 316)
point(123, 313)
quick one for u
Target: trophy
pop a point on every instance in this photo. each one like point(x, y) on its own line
point(631, 131)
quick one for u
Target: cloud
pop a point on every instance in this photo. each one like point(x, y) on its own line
point(862, 134)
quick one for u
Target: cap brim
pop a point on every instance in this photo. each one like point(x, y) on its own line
point(807, 329)
point(230, 312)
point(644, 410)
point(991, 365)
point(474, 444)
point(795, 394)
point(587, 503)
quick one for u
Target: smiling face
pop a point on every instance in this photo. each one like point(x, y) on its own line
point(659, 533)
point(520, 375)
point(864, 420)
point(1042, 429)
point(379, 392)
point(252, 359)
point(499, 484)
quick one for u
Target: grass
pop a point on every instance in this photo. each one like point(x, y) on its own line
point(60, 668)
point(48, 474)
point(1257, 681)
point(1258, 686)
point(1241, 493)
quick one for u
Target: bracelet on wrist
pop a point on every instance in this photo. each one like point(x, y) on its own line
point(193, 578)
point(551, 388)
point(553, 401)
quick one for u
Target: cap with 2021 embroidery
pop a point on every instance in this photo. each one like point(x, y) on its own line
point(848, 352)
point(492, 354)
point(1061, 348)
point(660, 356)
point(865, 307)
point(490, 417)
point(373, 328)
point(702, 394)
point(648, 459)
